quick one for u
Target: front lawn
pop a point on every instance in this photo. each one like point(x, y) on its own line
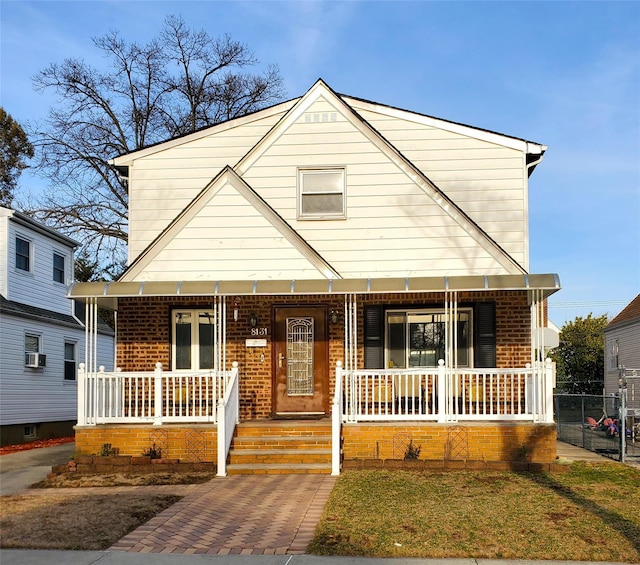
point(589, 513)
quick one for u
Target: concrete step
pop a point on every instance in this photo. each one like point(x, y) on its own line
point(280, 456)
point(281, 446)
point(281, 442)
point(278, 469)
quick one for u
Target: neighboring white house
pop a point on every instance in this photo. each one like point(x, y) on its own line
point(42, 338)
point(622, 350)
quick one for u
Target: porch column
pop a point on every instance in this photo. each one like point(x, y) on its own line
point(448, 406)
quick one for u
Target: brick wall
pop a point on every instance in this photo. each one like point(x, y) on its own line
point(144, 334)
point(471, 441)
point(184, 442)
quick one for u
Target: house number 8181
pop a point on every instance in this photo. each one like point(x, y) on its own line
point(258, 331)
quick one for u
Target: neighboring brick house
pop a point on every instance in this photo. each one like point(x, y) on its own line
point(327, 256)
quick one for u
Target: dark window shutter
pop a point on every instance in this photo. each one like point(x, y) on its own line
point(373, 337)
point(485, 334)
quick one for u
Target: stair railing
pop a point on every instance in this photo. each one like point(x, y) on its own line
point(228, 418)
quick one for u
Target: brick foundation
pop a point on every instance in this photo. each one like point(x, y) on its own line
point(492, 441)
point(481, 442)
point(186, 443)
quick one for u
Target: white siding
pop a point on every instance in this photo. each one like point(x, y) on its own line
point(228, 239)
point(393, 225)
point(628, 337)
point(41, 395)
point(482, 178)
point(166, 181)
point(37, 287)
point(4, 263)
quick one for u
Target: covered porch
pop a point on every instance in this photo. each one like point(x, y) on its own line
point(451, 393)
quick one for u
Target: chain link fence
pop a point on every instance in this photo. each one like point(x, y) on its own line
point(595, 422)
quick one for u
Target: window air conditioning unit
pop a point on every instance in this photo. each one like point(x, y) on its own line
point(35, 360)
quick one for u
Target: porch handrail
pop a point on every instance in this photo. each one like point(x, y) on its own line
point(336, 422)
point(148, 397)
point(446, 394)
point(228, 418)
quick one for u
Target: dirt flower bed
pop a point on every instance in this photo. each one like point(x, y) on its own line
point(73, 480)
point(77, 522)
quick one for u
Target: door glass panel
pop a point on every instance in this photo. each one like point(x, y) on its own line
point(205, 336)
point(183, 340)
point(299, 356)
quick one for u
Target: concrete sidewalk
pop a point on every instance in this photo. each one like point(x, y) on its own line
point(21, 557)
point(18, 471)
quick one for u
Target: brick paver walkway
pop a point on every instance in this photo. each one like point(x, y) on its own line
point(239, 514)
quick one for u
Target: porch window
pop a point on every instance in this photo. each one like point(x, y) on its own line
point(417, 338)
point(193, 340)
point(321, 194)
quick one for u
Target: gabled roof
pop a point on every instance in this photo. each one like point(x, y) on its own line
point(530, 147)
point(234, 177)
point(450, 208)
point(228, 177)
point(629, 314)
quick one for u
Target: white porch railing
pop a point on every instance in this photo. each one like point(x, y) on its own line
point(228, 418)
point(336, 423)
point(142, 397)
point(447, 395)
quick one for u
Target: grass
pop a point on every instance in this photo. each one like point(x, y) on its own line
point(589, 513)
point(88, 521)
point(79, 522)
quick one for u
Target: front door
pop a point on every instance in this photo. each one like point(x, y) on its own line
point(301, 361)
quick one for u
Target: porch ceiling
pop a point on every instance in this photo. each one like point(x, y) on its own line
point(107, 293)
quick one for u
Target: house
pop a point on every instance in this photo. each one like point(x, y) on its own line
point(622, 357)
point(42, 338)
point(347, 273)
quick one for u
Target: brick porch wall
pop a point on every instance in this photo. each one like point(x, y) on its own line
point(492, 441)
point(144, 334)
point(194, 442)
point(534, 443)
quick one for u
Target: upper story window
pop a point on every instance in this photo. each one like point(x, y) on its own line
point(58, 268)
point(193, 339)
point(23, 254)
point(321, 194)
point(613, 354)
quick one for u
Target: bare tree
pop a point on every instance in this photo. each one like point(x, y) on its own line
point(176, 84)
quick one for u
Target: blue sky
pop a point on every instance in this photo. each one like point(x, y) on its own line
point(564, 74)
